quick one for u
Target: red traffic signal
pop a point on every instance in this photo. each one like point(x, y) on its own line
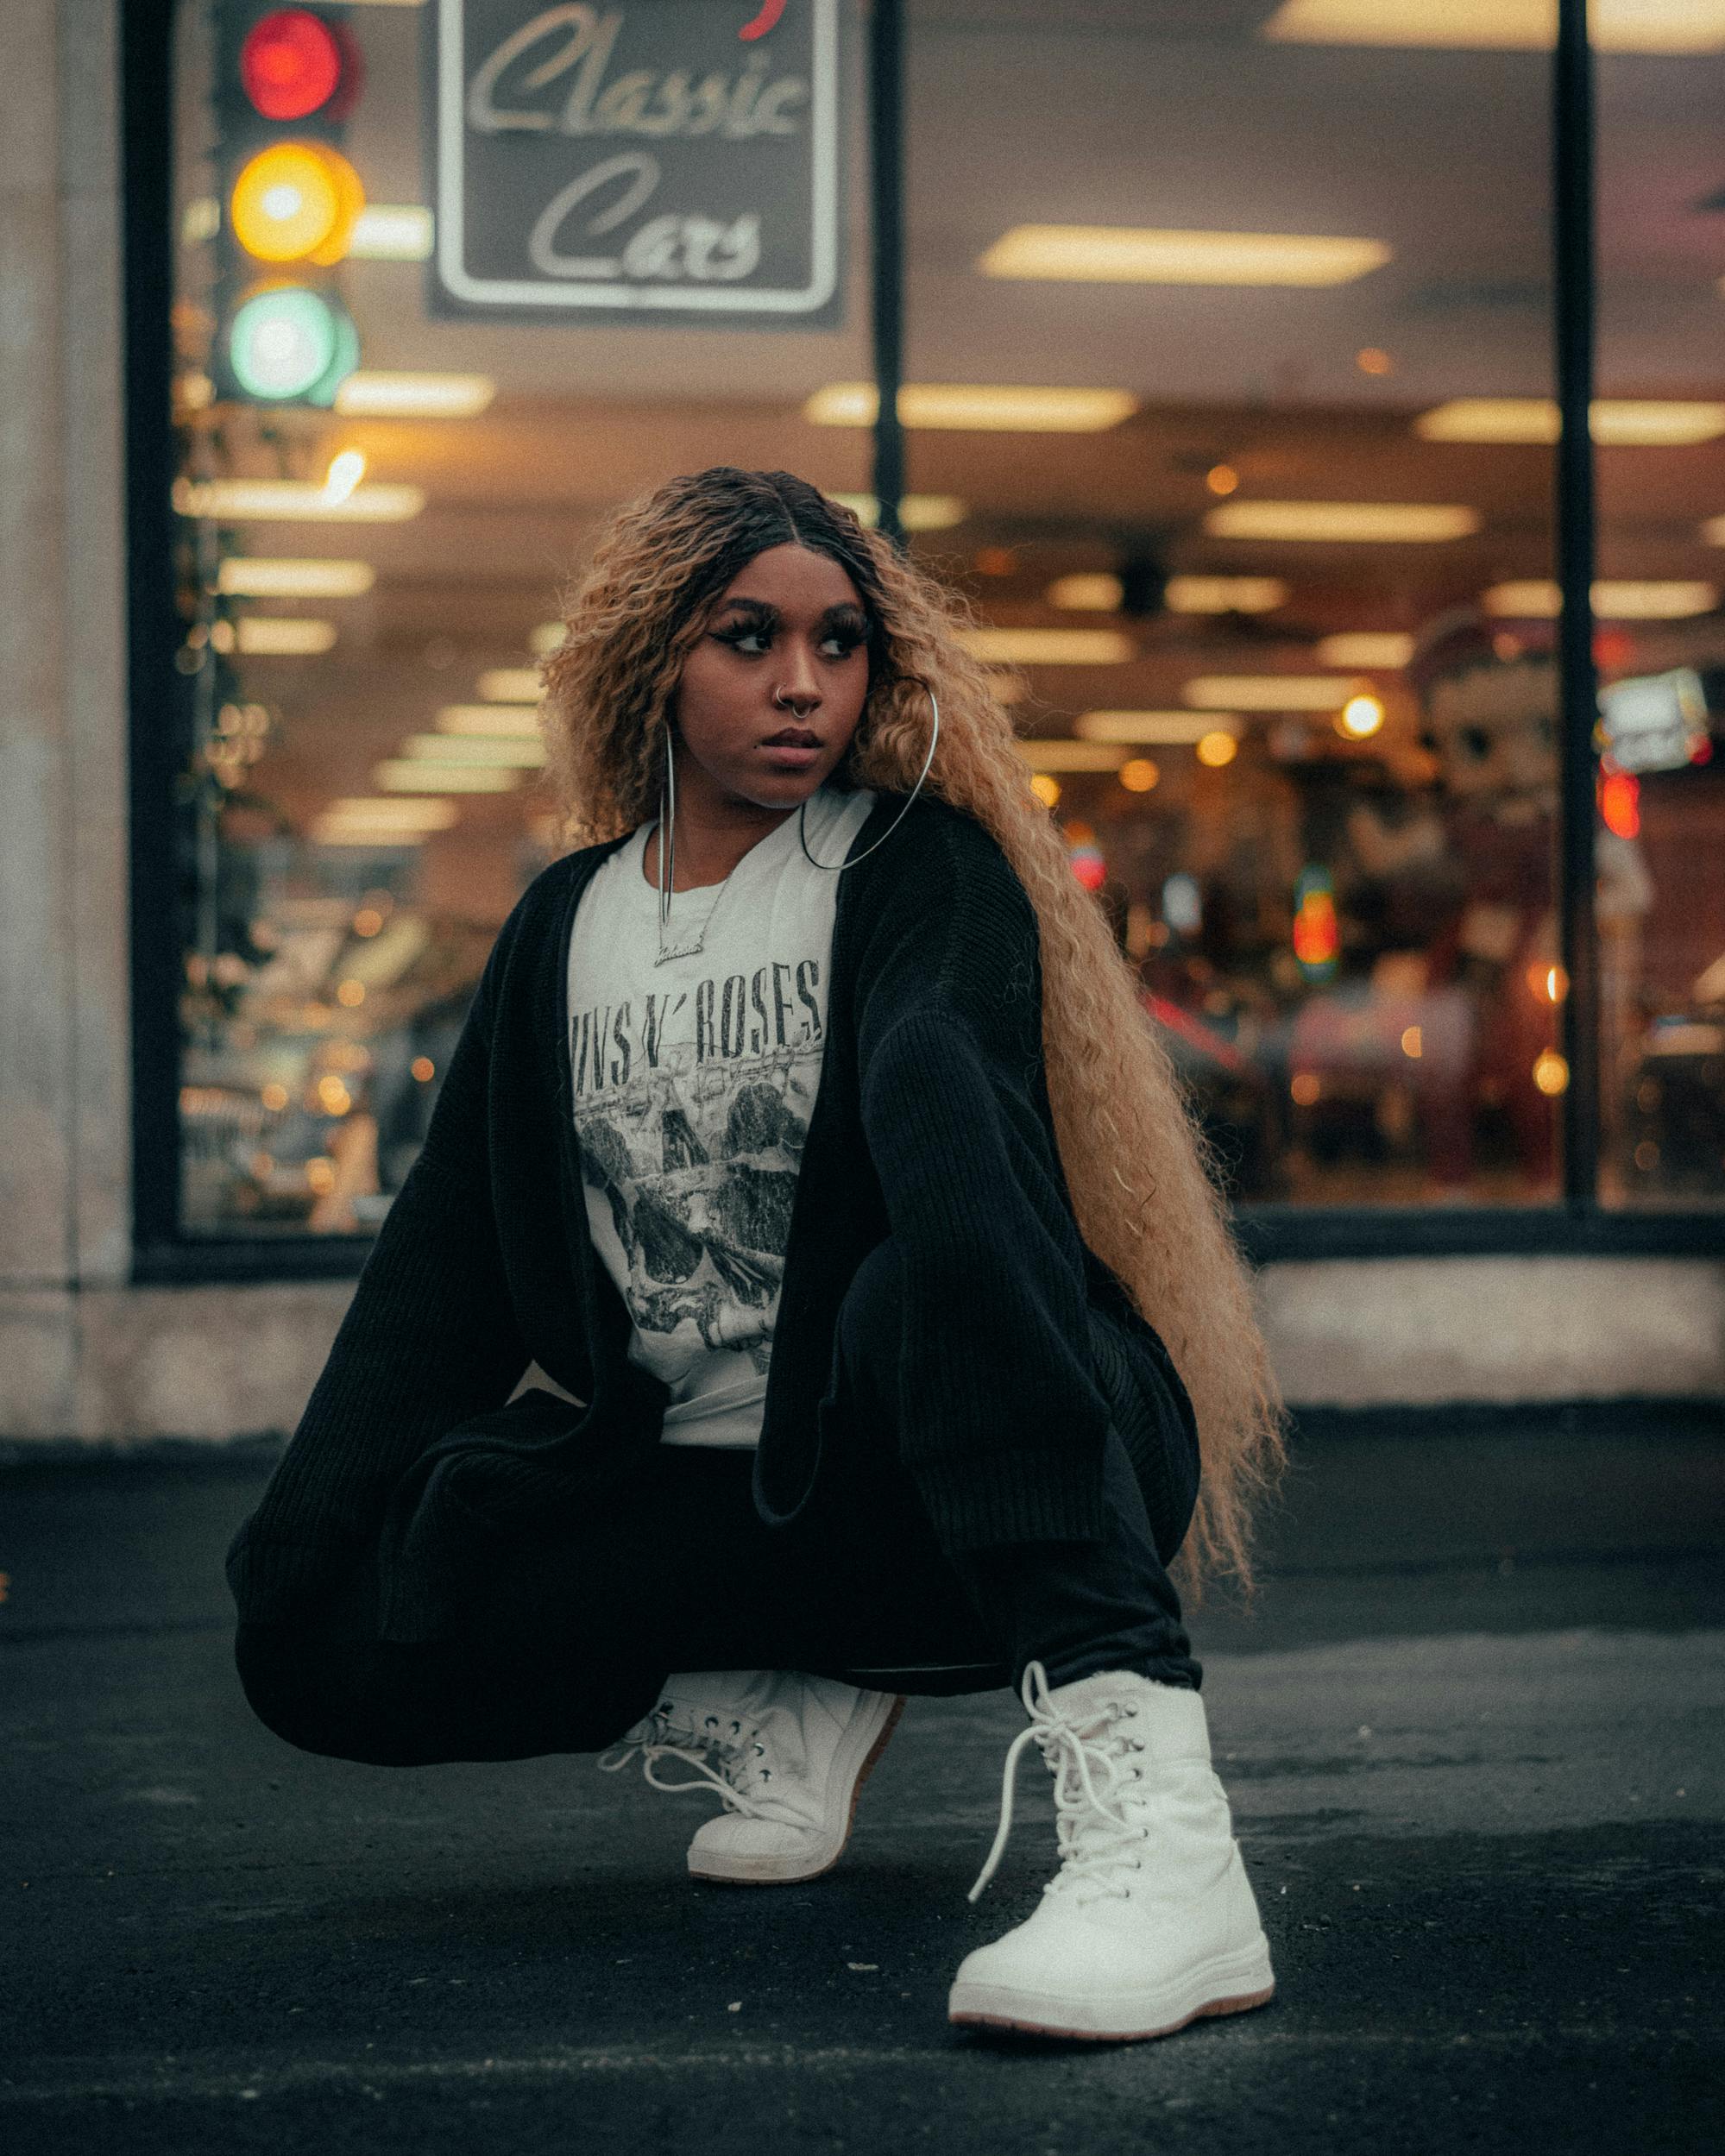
point(293, 64)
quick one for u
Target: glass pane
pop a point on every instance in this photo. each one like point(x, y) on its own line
point(1660, 638)
point(335, 913)
point(1283, 522)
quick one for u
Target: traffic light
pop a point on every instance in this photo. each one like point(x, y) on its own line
point(286, 80)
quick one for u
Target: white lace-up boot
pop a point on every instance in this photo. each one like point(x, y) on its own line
point(1150, 1920)
point(787, 1755)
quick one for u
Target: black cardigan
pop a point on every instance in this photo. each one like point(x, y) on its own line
point(931, 1124)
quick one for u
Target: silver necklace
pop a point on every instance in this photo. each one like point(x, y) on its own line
point(686, 948)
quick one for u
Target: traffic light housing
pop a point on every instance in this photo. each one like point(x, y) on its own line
point(287, 80)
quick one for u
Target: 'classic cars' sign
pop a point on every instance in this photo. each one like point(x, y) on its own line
point(648, 157)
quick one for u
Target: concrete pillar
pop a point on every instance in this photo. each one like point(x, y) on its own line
point(64, 990)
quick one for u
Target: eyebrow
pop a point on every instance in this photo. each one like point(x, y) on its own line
point(845, 609)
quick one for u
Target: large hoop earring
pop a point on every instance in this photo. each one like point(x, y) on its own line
point(667, 831)
point(838, 867)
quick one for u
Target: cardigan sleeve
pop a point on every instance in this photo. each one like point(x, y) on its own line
point(1002, 1421)
point(429, 1339)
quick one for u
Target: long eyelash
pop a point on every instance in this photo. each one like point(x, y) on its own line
point(851, 631)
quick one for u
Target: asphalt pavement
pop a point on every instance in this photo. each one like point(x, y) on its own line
point(1472, 1733)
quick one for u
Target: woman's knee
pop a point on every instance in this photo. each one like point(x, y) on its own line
point(312, 1692)
point(385, 1704)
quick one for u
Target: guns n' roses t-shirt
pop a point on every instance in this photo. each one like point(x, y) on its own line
point(694, 1081)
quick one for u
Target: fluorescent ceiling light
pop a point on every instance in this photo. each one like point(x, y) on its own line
point(382, 820)
point(1102, 593)
point(916, 513)
point(1524, 599)
point(282, 636)
point(457, 748)
point(1270, 692)
point(980, 406)
point(517, 720)
point(1048, 647)
point(326, 833)
point(1627, 599)
point(1490, 419)
point(391, 232)
point(1641, 600)
point(270, 500)
point(1225, 595)
point(413, 775)
point(1618, 26)
point(1154, 729)
point(386, 396)
point(260, 576)
point(1366, 647)
point(545, 639)
point(510, 685)
point(1368, 522)
point(1614, 422)
point(1070, 756)
point(432, 816)
point(1647, 423)
point(1142, 254)
point(1614, 599)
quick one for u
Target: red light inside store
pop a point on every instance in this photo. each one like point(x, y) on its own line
point(291, 64)
point(1317, 932)
point(1089, 867)
point(1620, 803)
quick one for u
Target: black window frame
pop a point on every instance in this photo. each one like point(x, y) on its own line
point(1574, 1223)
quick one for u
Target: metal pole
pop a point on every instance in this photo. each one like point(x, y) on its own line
point(153, 628)
point(1572, 193)
point(887, 192)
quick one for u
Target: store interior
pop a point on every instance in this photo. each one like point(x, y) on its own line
point(1265, 565)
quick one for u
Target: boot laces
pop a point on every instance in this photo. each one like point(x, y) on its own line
point(1091, 1761)
point(725, 1754)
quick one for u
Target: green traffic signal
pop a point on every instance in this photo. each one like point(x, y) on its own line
point(288, 344)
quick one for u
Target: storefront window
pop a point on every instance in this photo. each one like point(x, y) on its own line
point(380, 498)
point(1230, 367)
point(1230, 410)
point(1660, 641)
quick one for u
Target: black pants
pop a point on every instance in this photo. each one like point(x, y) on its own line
point(571, 1643)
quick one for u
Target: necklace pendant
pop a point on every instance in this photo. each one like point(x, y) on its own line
point(680, 950)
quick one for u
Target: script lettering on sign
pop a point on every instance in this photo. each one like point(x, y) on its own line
point(668, 157)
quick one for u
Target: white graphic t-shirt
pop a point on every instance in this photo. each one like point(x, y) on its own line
point(694, 1081)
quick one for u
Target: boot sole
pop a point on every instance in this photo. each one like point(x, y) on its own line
point(996, 2006)
point(786, 1871)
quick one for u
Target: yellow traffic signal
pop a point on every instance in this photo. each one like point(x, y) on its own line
point(296, 202)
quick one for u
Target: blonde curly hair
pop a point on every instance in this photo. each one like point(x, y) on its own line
point(1142, 1181)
